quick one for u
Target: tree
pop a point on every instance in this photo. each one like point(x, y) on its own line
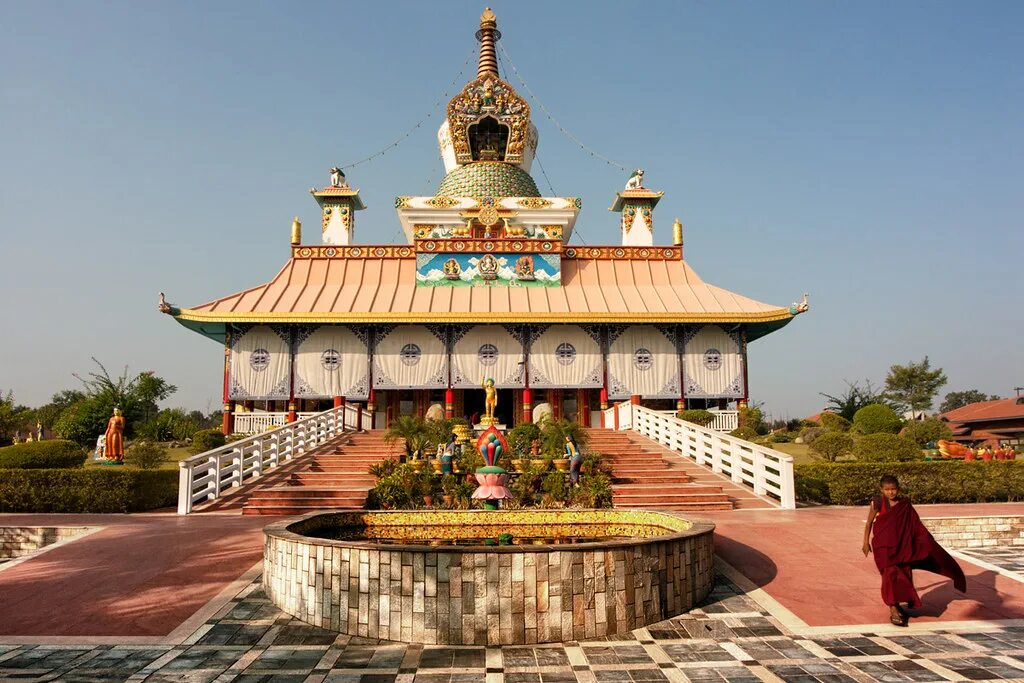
point(914, 385)
point(855, 398)
point(49, 413)
point(959, 399)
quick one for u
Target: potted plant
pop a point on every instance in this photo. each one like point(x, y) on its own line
point(520, 439)
point(411, 430)
point(449, 489)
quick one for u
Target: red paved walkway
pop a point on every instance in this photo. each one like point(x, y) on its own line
point(810, 560)
point(142, 575)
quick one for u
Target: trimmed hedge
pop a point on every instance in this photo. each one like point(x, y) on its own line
point(832, 445)
point(925, 482)
point(834, 422)
point(698, 417)
point(876, 418)
point(883, 447)
point(87, 490)
point(36, 455)
point(206, 440)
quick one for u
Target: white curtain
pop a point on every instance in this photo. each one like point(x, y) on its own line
point(713, 363)
point(260, 364)
point(566, 356)
point(332, 361)
point(410, 357)
point(488, 351)
point(642, 359)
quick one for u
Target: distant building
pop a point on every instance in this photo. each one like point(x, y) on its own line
point(992, 422)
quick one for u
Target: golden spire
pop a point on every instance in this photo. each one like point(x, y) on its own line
point(677, 233)
point(488, 35)
point(296, 231)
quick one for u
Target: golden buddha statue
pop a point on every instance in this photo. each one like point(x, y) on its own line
point(490, 402)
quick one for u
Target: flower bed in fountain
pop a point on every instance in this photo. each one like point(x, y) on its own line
point(646, 567)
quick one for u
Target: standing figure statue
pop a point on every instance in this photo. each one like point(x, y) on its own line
point(101, 447)
point(114, 450)
point(490, 402)
point(337, 177)
point(17, 436)
point(448, 455)
point(39, 430)
point(575, 456)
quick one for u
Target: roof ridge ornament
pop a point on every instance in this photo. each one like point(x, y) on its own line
point(487, 36)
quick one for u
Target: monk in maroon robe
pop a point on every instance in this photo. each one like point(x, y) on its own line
point(900, 543)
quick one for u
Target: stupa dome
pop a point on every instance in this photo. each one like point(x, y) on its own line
point(488, 179)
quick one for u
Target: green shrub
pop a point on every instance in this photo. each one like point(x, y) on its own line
point(53, 454)
point(886, 448)
point(832, 445)
point(877, 419)
point(781, 437)
point(752, 418)
point(744, 433)
point(555, 485)
point(855, 483)
point(809, 434)
point(206, 440)
point(834, 422)
point(521, 437)
point(593, 492)
point(698, 417)
point(922, 432)
point(171, 424)
point(95, 490)
point(145, 455)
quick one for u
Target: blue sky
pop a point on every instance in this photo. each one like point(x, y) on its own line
point(868, 153)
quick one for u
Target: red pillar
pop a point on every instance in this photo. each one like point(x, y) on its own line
point(339, 401)
point(742, 403)
point(555, 397)
point(635, 399)
point(604, 405)
point(583, 407)
point(227, 422)
point(527, 405)
point(449, 403)
point(615, 413)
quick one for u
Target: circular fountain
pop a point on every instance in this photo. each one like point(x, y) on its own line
point(485, 577)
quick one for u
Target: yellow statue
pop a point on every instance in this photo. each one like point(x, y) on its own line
point(490, 402)
point(115, 437)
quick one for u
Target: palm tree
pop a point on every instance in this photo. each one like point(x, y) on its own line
point(411, 430)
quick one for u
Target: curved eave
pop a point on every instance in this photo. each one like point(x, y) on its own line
point(212, 324)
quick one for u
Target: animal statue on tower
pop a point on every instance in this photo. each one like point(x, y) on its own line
point(338, 177)
point(636, 181)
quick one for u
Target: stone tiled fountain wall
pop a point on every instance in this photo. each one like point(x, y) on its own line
point(501, 595)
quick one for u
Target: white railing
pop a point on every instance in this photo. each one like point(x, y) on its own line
point(254, 423)
point(210, 475)
point(768, 472)
point(725, 420)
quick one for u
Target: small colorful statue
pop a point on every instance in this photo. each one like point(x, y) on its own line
point(448, 455)
point(490, 402)
point(575, 456)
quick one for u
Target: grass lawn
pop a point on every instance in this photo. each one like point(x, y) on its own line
point(173, 456)
point(801, 452)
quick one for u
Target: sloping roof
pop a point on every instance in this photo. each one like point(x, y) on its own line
point(985, 411)
point(384, 290)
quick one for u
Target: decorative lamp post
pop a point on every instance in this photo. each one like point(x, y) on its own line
point(491, 478)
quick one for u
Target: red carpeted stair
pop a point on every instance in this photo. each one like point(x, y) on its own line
point(335, 477)
point(647, 475)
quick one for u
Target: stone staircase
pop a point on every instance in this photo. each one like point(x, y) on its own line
point(335, 477)
point(647, 475)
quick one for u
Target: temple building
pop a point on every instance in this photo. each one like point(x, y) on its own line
point(487, 285)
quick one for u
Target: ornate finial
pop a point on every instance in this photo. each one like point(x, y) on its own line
point(296, 231)
point(677, 233)
point(488, 35)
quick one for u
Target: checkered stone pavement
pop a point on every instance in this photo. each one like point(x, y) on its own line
point(729, 638)
point(1010, 559)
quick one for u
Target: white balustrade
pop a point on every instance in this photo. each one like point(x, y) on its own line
point(207, 476)
point(254, 423)
point(768, 472)
point(725, 420)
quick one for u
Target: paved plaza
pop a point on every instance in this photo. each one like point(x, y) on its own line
point(195, 611)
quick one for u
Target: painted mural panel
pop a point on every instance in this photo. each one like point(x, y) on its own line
point(332, 360)
point(259, 364)
point(410, 357)
point(482, 351)
point(566, 356)
point(475, 270)
point(643, 360)
point(712, 363)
